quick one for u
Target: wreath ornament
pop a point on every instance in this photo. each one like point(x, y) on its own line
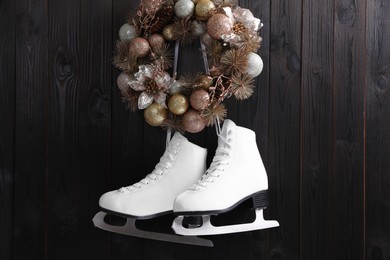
point(147, 54)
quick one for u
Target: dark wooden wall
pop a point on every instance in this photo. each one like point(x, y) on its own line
point(321, 113)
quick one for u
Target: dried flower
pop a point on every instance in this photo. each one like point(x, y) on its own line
point(244, 23)
point(213, 113)
point(125, 59)
point(154, 83)
point(163, 57)
point(242, 86)
point(130, 97)
point(182, 30)
point(234, 61)
point(175, 123)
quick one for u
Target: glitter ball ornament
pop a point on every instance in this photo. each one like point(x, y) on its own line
point(205, 82)
point(178, 104)
point(193, 122)
point(204, 9)
point(255, 65)
point(123, 81)
point(184, 8)
point(127, 32)
point(156, 41)
point(218, 25)
point(168, 32)
point(199, 99)
point(140, 47)
point(155, 114)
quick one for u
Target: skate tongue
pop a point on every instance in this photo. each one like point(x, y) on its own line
point(227, 125)
point(176, 137)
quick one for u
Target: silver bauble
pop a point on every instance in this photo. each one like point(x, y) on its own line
point(184, 8)
point(127, 32)
point(255, 65)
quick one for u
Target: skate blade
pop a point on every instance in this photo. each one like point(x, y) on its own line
point(131, 230)
point(208, 229)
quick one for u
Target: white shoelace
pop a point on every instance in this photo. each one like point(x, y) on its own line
point(165, 163)
point(220, 161)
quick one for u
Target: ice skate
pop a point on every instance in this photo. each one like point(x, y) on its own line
point(182, 164)
point(236, 174)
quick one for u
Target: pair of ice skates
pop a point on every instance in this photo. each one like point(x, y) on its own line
point(181, 184)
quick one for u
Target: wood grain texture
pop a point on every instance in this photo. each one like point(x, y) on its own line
point(67, 196)
point(127, 148)
point(95, 120)
point(284, 124)
point(316, 131)
point(320, 112)
point(347, 236)
point(7, 127)
point(30, 130)
point(378, 131)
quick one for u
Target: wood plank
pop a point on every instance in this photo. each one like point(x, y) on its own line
point(95, 121)
point(378, 131)
point(316, 123)
point(284, 129)
point(348, 135)
point(79, 134)
point(30, 129)
point(7, 127)
point(65, 178)
point(127, 142)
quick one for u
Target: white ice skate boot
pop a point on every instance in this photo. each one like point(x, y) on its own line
point(182, 164)
point(236, 174)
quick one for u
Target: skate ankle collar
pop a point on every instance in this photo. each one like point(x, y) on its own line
point(148, 50)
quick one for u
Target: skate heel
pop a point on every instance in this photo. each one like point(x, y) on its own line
point(260, 200)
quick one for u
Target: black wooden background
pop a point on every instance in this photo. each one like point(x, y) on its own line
point(321, 113)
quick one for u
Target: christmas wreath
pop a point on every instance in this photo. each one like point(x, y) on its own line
point(147, 55)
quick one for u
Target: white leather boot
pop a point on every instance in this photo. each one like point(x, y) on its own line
point(236, 174)
point(182, 164)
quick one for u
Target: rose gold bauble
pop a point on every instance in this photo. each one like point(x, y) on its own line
point(199, 99)
point(168, 32)
point(155, 114)
point(178, 104)
point(156, 41)
point(218, 25)
point(123, 81)
point(193, 122)
point(140, 47)
point(204, 9)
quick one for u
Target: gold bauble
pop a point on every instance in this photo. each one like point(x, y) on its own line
point(193, 121)
point(140, 47)
point(168, 32)
point(155, 114)
point(178, 104)
point(205, 82)
point(218, 25)
point(204, 9)
point(200, 99)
